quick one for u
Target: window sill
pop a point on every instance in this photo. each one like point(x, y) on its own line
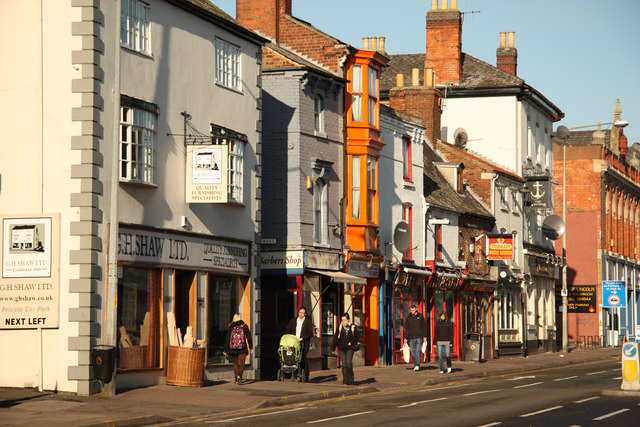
point(139, 184)
point(232, 89)
point(321, 245)
point(409, 184)
point(504, 209)
point(235, 204)
point(322, 135)
point(139, 52)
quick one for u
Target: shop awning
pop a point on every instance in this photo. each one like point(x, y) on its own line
point(417, 271)
point(339, 276)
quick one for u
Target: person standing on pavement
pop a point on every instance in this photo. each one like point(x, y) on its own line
point(415, 333)
point(237, 345)
point(302, 327)
point(346, 340)
point(443, 337)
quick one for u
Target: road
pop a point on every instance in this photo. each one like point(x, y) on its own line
point(566, 396)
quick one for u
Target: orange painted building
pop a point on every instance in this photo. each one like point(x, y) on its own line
point(361, 186)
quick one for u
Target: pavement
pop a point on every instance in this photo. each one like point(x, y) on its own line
point(164, 403)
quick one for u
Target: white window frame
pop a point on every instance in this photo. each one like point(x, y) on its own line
point(135, 27)
point(320, 217)
point(504, 203)
point(137, 145)
point(228, 65)
point(235, 173)
point(356, 93)
point(318, 114)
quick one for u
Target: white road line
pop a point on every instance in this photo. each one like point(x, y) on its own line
point(612, 414)
point(540, 412)
point(595, 373)
point(481, 392)
point(497, 423)
point(617, 378)
point(253, 416)
point(587, 399)
point(528, 385)
point(566, 378)
point(441, 388)
point(423, 401)
point(337, 418)
point(521, 378)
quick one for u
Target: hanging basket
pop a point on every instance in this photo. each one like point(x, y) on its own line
point(185, 366)
point(134, 357)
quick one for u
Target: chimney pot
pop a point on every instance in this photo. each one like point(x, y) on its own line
point(381, 47)
point(512, 36)
point(374, 43)
point(429, 77)
point(454, 4)
point(365, 43)
point(503, 39)
point(415, 77)
point(399, 80)
point(434, 4)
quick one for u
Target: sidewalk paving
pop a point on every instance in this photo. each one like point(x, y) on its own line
point(163, 403)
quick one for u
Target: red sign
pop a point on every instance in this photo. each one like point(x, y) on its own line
point(500, 247)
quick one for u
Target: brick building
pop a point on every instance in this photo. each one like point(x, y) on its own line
point(603, 197)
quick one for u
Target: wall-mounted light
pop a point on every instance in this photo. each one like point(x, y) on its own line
point(308, 182)
point(184, 222)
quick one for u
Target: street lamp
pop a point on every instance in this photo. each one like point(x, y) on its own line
point(562, 133)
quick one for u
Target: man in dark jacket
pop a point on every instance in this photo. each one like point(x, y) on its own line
point(302, 327)
point(415, 333)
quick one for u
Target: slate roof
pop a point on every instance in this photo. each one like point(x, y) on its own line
point(583, 137)
point(438, 191)
point(443, 147)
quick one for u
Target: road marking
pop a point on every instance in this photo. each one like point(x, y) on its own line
point(540, 412)
point(253, 416)
point(598, 372)
point(481, 392)
point(528, 385)
point(587, 399)
point(337, 418)
point(617, 378)
point(566, 378)
point(441, 388)
point(521, 378)
point(497, 423)
point(424, 401)
point(612, 414)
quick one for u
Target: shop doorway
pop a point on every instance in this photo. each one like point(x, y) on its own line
point(403, 298)
point(184, 300)
point(476, 310)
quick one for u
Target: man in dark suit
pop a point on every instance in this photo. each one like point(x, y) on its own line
point(302, 327)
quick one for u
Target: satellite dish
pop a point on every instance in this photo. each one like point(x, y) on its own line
point(553, 227)
point(402, 236)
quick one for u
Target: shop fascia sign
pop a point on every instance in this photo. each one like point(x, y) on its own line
point(361, 269)
point(500, 247)
point(283, 262)
point(137, 245)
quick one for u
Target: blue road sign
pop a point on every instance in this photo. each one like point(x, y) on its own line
point(629, 350)
point(614, 294)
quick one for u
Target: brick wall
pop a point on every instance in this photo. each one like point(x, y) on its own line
point(444, 44)
point(262, 15)
point(422, 102)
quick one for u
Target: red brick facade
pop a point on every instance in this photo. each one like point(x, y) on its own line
point(422, 102)
point(444, 44)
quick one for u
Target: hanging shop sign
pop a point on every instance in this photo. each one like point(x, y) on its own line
point(539, 195)
point(206, 180)
point(614, 294)
point(581, 299)
point(182, 250)
point(282, 262)
point(500, 247)
point(363, 268)
point(30, 284)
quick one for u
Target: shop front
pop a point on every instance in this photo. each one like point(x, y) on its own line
point(203, 281)
point(509, 318)
point(477, 298)
point(541, 273)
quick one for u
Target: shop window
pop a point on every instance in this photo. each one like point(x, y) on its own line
point(138, 318)
point(222, 304)
point(506, 318)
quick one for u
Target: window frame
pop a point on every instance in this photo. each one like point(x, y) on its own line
point(228, 68)
point(355, 187)
point(407, 216)
point(318, 114)
point(235, 171)
point(357, 91)
point(320, 212)
point(134, 150)
point(437, 236)
point(407, 164)
point(137, 31)
point(372, 80)
point(372, 189)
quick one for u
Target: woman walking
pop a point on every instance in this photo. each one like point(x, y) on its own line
point(238, 344)
point(346, 339)
point(443, 337)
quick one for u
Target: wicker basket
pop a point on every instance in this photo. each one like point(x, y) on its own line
point(134, 357)
point(185, 366)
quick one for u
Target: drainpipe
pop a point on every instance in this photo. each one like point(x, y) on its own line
point(111, 303)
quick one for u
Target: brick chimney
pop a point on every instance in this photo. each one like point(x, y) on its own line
point(263, 16)
point(507, 54)
point(422, 101)
point(444, 41)
point(624, 144)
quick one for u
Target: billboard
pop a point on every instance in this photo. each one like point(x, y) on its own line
point(500, 247)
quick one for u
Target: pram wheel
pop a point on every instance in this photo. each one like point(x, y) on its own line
point(280, 375)
point(294, 376)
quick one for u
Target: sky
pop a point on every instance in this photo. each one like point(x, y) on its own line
point(580, 54)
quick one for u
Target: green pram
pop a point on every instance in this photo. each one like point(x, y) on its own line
point(289, 352)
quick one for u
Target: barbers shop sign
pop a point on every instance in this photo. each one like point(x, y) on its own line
point(155, 247)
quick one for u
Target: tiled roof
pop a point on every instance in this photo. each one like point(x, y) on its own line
point(390, 112)
point(438, 191)
point(583, 137)
point(443, 147)
point(475, 73)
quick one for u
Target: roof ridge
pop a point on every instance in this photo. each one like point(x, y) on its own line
point(489, 162)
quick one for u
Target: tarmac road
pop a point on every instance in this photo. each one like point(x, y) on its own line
point(565, 396)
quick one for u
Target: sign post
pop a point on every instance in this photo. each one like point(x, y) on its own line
point(614, 295)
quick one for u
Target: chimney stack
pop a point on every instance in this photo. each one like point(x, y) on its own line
point(507, 54)
point(624, 145)
point(263, 16)
point(444, 41)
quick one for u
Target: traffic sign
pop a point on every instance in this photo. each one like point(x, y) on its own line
point(614, 294)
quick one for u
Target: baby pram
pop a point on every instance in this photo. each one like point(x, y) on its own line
point(289, 352)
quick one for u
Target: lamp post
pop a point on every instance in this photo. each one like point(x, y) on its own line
point(562, 133)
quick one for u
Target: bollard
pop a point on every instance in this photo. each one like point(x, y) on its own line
point(630, 367)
